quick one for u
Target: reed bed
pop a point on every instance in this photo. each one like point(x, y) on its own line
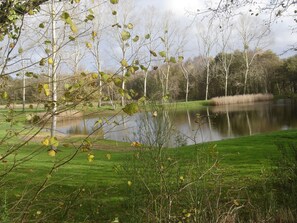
point(239, 99)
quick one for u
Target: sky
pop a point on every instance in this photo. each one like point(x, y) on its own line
point(281, 39)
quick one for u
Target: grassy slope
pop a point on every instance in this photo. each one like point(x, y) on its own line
point(242, 158)
point(101, 189)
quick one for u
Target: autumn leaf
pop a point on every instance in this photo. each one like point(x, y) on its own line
point(125, 35)
point(90, 157)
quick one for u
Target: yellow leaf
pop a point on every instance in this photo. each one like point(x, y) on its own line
point(108, 156)
point(124, 63)
point(129, 183)
point(136, 144)
point(94, 34)
point(31, 12)
point(46, 89)
point(52, 152)
point(91, 157)
point(54, 141)
point(236, 202)
point(88, 45)
point(46, 142)
point(95, 75)
point(50, 60)
point(181, 178)
point(73, 27)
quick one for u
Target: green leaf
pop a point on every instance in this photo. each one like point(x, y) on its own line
point(131, 109)
point(41, 25)
point(20, 50)
point(117, 81)
point(4, 95)
point(125, 35)
point(147, 36)
point(29, 74)
point(143, 68)
point(105, 77)
point(180, 58)
point(136, 38)
point(42, 62)
point(114, 2)
point(47, 42)
point(71, 38)
point(90, 17)
point(162, 54)
point(66, 17)
point(153, 53)
point(172, 60)
point(114, 12)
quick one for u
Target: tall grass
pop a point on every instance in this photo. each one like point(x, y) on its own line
point(238, 99)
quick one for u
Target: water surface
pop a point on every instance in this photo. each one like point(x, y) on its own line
point(176, 128)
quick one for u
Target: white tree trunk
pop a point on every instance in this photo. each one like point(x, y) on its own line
point(53, 73)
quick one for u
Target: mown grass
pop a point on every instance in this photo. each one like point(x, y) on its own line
point(100, 188)
point(97, 191)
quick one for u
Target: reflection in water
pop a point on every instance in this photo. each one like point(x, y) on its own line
point(182, 127)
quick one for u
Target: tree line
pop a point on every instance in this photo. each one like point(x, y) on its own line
point(268, 74)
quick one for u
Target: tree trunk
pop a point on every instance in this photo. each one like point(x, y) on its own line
point(145, 84)
point(207, 80)
point(53, 74)
point(247, 69)
point(167, 80)
point(24, 84)
point(226, 82)
point(123, 88)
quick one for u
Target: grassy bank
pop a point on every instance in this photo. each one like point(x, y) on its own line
point(97, 191)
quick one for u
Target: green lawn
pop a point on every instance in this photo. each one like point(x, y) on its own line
point(100, 188)
point(97, 191)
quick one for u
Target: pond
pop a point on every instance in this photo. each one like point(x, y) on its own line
point(175, 128)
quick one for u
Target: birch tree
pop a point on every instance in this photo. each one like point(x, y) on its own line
point(252, 36)
point(207, 38)
point(225, 58)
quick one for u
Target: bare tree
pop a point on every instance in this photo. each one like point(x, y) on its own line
point(252, 35)
point(225, 59)
point(207, 37)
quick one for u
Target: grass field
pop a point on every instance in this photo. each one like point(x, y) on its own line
point(40, 189)
point(96, 191)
